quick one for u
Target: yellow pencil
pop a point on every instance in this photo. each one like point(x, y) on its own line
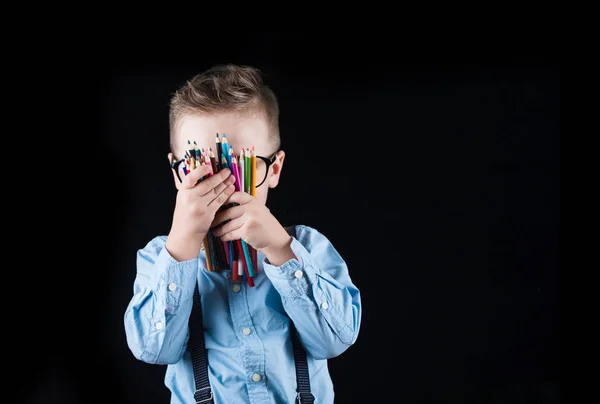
point(207, 254)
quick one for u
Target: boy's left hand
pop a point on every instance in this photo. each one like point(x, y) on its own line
point(252, 222)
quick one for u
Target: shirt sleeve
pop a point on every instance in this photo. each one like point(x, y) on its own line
point(318, 294)
point(156, 318)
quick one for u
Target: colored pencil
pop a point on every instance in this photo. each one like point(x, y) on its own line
point(241, 269)
point(246, 163)
point(246, 254)
point(209, 250)
point(209, 244)
point(209, 264)
point(213, 160)
point(230, 155)
point(235, 275)
point(252, 191)
point(225, 149)
point(192, 154)
point(232, 256)
point(253, 251)
point(241, 169)
point(224, 248)
point(219, 151)
point(191, 162)
point(252, 172)
point(197, 151)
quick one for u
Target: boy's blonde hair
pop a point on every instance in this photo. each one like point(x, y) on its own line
point(226, 88)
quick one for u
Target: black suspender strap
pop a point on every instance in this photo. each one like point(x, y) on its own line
point(304, 396)
point(203, 393)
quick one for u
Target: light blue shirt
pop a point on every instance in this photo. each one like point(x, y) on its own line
point(247, 335)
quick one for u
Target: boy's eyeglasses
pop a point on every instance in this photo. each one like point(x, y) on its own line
point(262, 168)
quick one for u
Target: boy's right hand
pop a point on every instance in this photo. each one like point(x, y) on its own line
point(195, 210)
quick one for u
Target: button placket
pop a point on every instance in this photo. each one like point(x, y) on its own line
point(253, 351)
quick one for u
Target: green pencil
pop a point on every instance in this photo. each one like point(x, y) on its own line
point(247, 172)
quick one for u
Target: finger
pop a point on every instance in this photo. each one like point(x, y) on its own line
point(218, 189)
point(220, 199)
point(228, 214)
point(211, 182)
point(228, 227)
point(190, 180)
point(232, 235)
point(240, 198)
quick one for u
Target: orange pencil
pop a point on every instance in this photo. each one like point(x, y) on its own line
point(209, 264)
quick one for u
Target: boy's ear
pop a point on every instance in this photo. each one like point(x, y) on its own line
point(175, 179)
point(276, 168)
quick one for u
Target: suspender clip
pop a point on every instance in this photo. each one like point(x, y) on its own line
point(197, 393)
point(305, 398)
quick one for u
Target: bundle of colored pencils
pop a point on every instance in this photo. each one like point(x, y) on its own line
point(227, 255)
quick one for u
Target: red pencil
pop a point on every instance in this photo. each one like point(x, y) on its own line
point(234, 272)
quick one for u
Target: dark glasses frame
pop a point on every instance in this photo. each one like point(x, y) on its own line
point(268, 161)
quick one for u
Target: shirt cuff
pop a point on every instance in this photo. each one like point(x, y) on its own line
point(295, 277)
point(176, 280)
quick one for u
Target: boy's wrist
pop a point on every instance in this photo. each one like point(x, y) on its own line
point(280, 251)
point(183, 248)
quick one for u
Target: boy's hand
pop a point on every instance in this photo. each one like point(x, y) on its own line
point(252, 222)
point(195, 209)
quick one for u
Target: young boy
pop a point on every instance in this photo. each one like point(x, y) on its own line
point(301, 285)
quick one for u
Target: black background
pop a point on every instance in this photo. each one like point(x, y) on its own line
point(438, 183)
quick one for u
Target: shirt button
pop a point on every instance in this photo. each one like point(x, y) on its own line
point(256, 377)
point(158, 326)
point(172, 287)
point(324, 305)
point(246, 331)
point(236, 288)
point(298, 274)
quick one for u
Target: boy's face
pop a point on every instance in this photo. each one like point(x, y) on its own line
point(240, 131)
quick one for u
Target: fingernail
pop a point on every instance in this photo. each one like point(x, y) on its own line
point(226, 171)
